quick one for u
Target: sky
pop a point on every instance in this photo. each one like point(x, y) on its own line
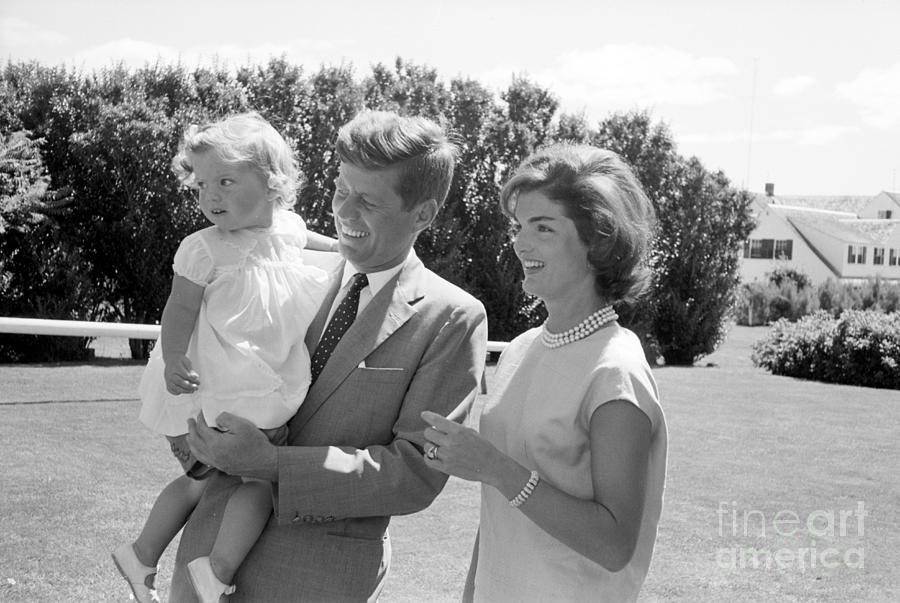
point(804, 94)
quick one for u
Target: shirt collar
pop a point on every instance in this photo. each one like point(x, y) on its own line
point(377, 280)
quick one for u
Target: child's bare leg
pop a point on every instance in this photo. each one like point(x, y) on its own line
point(245, 516)
point(168, 515)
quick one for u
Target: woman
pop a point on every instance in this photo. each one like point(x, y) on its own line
point(572, 446)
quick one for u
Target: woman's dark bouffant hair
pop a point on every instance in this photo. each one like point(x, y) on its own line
point(612, 215)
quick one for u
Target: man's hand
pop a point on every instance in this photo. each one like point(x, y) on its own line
point(236, 447)
point(181, 378)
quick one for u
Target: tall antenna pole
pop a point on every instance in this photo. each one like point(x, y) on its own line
point(750, 138)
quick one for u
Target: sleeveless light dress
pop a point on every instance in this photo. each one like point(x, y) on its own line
point(539, 412)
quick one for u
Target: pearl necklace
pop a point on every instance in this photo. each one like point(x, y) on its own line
point(587, 326)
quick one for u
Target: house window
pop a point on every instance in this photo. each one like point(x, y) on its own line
point(769, 249)
point(856, 254)
point(878, 255)
point(884, 214)
point(784, 249)
point(762, 248)
point(892, 259)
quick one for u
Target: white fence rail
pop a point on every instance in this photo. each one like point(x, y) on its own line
point(77, 328)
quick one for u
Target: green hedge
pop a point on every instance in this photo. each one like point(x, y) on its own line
point(858, 348)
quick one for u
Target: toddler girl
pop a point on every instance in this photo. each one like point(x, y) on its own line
point(231, 337)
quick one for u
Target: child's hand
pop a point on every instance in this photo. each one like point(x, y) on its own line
point(180, 376)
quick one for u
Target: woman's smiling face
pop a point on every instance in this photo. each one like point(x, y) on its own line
point(553, 256)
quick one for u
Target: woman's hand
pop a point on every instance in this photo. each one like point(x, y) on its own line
point(460, 451)
point(181, 378)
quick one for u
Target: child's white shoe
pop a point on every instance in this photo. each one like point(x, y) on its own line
point(208, 587)
point(140, 577)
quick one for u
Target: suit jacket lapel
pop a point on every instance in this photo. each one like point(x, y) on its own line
point(386, 313)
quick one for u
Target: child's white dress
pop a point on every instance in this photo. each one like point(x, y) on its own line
point(247, 345)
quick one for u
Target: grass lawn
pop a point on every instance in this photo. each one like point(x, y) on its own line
point(756, 463)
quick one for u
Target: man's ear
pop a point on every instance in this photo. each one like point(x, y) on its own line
point(425, 214)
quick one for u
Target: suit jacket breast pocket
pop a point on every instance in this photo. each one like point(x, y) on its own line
point(380, 375)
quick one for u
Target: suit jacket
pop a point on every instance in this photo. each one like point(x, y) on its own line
point(354, 453)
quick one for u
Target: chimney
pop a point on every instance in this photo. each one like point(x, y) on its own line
point(770, 189)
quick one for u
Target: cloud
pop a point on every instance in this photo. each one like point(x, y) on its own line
point(16, 33)
point(810, 136)
point(300, 52)
point(133, 53)
point(821, 135)
point(624, 76)
point(792, 86)
point(876, 93)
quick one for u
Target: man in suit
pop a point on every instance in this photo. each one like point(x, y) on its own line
point(354, 454)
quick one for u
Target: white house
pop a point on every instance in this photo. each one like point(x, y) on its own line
point(882, 206)
point(843, 238)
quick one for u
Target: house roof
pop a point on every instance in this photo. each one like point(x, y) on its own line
point(895, 197)
point(847, 203)
point(878, 230)
point(841, 225)
point(833, 225)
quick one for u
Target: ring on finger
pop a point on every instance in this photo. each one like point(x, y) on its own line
point(432, 453)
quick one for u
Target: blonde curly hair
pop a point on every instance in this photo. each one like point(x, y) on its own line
point(244, 138)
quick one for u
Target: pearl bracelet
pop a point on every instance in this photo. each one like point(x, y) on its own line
point(526, 491)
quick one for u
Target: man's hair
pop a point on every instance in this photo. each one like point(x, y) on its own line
point(612, 214)
point(244, 138)
point(419, 147)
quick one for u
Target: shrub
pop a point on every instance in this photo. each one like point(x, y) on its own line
point(784, 296)
point(788, 273)
point(872, 294)
point(830, 294)
point(36, 276)
point(764, 303)
point(890, 299)
point(859, 348)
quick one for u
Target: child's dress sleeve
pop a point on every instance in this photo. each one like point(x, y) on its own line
point(193, 260)
point(295, 226)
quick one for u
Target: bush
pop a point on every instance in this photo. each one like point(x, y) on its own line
point(788, 273)
point(859, 348)
point(784, 296)
point(764, 303)
point(872, 294)
point(36, 275)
